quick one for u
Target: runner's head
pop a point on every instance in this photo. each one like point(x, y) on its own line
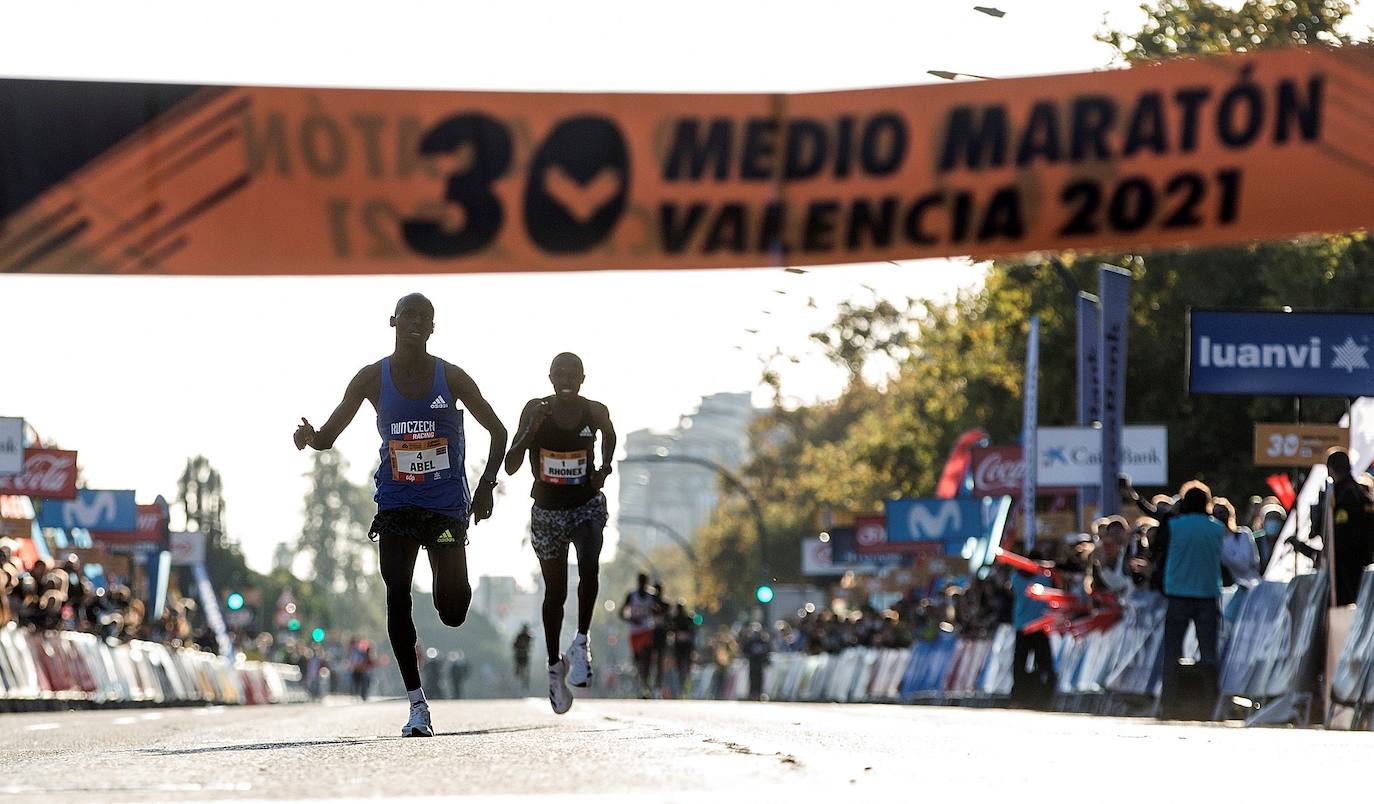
point(566, 375)
point(642, 581)
point(413, 320)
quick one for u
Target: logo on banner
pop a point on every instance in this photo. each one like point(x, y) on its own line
point(929, 520)
point(92, 510)
point(1072, 456)
point(48, 474)
point(998, 471)
point(1312, 354)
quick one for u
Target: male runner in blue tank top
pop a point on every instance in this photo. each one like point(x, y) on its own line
point(422, 488)
point(559, 432)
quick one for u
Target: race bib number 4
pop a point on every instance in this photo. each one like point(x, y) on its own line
point(418, 461)
point(563, 468)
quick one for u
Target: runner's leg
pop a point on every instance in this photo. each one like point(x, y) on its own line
point(555, 572)
point(396, 555)
point(587, 538)
point(452, 591)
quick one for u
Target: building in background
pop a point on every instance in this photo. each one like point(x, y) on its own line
point(682, 496)
point(501, 600)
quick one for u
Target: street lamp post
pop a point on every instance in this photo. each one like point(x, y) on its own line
point(734, 481)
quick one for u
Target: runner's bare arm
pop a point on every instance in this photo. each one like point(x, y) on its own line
point(467, 392)
point(602, 416)
point(359, 388)
point(530, 419)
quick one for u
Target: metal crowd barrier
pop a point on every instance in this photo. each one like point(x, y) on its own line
point(48, 669)
point(1266, 658)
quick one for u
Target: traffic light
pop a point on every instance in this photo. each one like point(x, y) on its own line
point(764, 594)
point(698, 619)
point(234, 601)
point(293, 624)
point(317, 635)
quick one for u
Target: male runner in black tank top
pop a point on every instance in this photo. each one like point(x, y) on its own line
point(402, 532)
point(559, 432)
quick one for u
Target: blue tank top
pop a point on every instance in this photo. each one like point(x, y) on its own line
point(422, 451)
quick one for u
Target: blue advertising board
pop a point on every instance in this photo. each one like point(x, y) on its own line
point(844, 550)
point(93, 510)
point(1283, 354)
point(951, 521)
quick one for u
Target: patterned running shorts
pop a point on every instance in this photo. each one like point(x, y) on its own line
point(551, 531)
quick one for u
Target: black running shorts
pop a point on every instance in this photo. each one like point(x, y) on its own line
point(428, 528)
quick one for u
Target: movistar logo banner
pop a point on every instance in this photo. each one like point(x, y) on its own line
point(1314, 354)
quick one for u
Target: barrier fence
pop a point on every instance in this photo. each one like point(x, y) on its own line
point(1271, 643)
point(50, 669)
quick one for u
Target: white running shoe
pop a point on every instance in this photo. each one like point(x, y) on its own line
point(419, 724)
point(560, 697)
point(579, 656)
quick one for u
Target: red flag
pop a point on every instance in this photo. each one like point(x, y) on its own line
point(1282, 487)
point(959, 462)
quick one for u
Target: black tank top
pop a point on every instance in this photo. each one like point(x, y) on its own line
point(561, 460)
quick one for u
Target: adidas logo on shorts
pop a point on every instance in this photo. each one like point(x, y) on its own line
point(438, 403)
point(445, 538)
point(586, 432)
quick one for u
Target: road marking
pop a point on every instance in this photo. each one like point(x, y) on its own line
point(41, 726)
point(151, 716)
point(124, 721)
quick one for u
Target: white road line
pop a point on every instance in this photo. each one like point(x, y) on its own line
point(151, 716)
point(41, 726)
point(124, 721)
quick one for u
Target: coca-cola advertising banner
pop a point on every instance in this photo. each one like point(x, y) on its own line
point(48, 474)
point(997, 471)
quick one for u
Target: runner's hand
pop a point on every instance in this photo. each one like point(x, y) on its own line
point(482, 503)
point(305, 433)
point(599, 477)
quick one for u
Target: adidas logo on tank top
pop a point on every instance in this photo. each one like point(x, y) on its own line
point(586, 433)
point(438, 404)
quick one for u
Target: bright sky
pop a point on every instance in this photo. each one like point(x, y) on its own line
point(139, 373)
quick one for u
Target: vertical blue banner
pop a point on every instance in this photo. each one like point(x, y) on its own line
point(1030, 422)
point(1114, 290)
point(1089, 381)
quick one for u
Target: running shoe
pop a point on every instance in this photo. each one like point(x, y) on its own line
point(419, 724)
point(560, 697)
point(579, 656)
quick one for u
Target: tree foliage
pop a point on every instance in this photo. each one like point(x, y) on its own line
point(961, 362)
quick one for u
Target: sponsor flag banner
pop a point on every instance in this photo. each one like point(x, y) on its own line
point(1296, 444)
point(999, 471)
point(1030, 425)
point(11, 443)
point(1072, 456)
point(1283, 354)
point(48, 474)
point(152, 523)
point(1114, 289)
point(92, 510)
point(181, 179)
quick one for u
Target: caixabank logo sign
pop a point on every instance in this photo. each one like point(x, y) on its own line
point(1280, 353)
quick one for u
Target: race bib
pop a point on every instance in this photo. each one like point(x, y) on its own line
point(563, 468)
point(418, 461)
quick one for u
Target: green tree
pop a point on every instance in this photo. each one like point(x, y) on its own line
point(200, 493)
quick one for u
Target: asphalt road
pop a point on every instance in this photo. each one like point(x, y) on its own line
point(662, 751)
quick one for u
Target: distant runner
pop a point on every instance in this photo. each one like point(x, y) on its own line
point(559, 432)
point(521, 646)
point(641, 612)
point(422, 491)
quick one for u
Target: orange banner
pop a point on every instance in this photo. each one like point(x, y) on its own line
point(250, 181)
